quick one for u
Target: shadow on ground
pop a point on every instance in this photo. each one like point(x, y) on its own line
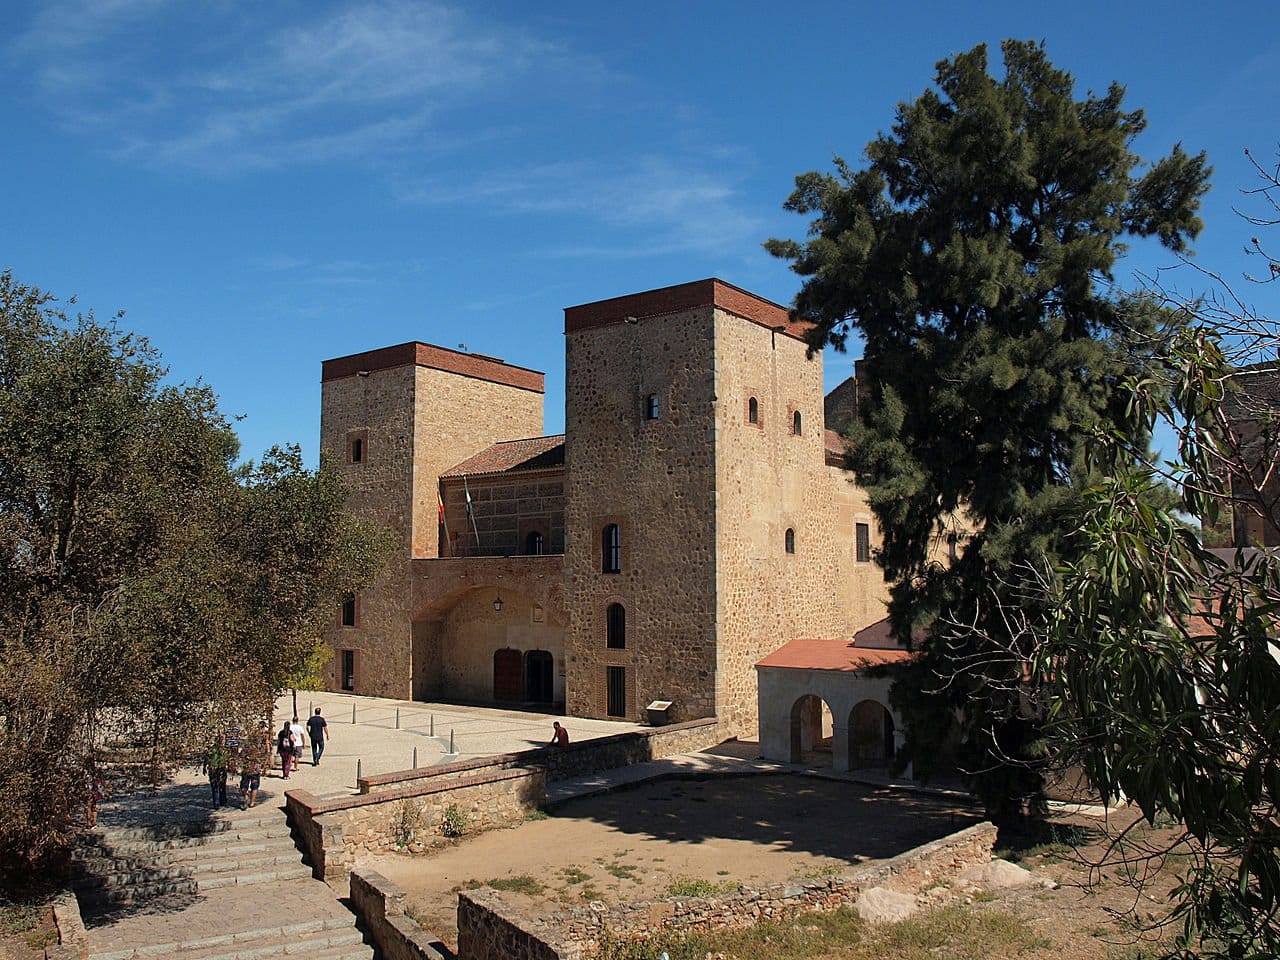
point(794, 812)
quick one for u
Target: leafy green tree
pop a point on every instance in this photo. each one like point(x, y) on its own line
point(974, 255)
point(150, 589)
point(1161, 652)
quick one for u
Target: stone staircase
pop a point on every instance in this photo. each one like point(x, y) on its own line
point(133, 864)
point(224, 887)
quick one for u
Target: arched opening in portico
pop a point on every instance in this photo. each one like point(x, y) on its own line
point(871, 735)
point(812, 727)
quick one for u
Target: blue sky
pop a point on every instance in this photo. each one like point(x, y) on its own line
point(264, 186)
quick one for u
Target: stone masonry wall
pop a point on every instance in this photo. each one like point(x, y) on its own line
point(578, 759)
point(376, 409)
point(655, 478)
point(409, 816)
point(414, 422)
point(490, 928)
point(379, 903)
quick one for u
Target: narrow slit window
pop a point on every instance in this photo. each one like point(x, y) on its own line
point(349, 610)
point(796, 423)
point(753, 410)
point(611, 549)
point(790, 540)
point(357, 450)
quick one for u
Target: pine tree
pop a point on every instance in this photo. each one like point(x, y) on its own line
point(974, 255)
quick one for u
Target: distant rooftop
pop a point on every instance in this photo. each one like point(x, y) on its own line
point(512, 456)
point(870, 647)
point(685, 296)
point(475, 365)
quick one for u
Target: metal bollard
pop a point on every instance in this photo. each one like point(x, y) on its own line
point(451, 750)
point(397, 718)
point(353, 713)
point(415, 758)
point(358, 764)
point(433, 725)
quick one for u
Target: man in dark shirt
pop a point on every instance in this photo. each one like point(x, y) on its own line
point(317, 728)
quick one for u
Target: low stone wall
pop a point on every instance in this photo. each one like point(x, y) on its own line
point(577, 759)
point(73, 940)
point(379, 904)
point(333, 831)
point(489, 928)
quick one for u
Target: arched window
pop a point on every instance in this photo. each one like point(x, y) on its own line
point(615, 627)
point(533, 544)
point(791, 540)
point(611, 549)
point(753, 410)
point(795, 423)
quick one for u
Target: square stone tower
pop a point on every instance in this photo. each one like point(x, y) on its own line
point(394, 420)
point(700, 504)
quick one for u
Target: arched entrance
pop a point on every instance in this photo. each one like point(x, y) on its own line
point(811, 731)
point(539, 683)
point(871, 742)
point(506, 674)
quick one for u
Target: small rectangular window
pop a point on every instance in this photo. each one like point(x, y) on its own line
point(651, 408)
point(616, 691)
point(357, 450)
point(348, 669)
point(862, 538)
point(349, 611)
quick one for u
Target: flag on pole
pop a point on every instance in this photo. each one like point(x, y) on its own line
point(467, 489)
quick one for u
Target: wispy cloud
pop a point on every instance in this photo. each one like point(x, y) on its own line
point(350, 84)
point(445, 107)
point(670, 204)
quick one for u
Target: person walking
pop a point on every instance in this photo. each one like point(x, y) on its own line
point(299, 742)
point(284, 745)
point(319, 731)
point(215, 766)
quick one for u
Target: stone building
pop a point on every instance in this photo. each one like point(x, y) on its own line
point(693, 519)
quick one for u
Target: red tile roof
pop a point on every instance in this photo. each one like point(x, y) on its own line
point(535, 453)
point(840, 654)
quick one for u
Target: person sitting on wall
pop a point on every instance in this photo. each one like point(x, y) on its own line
point(559, 736)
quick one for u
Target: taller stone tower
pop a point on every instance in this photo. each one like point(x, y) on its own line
point(699, 501)
point(395, 419)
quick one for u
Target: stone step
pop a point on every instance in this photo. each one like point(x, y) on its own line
point(188, 854)
point(332, 938)
point(197, 828)
point(129, 840)
point(104, 894)
point(189, 879)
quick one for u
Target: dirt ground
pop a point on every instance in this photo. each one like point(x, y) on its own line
point(698, 836)
point(635, 844)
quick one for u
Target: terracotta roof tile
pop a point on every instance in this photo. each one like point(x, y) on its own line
point(839, 654)
point(535, 453)
point(834, 444)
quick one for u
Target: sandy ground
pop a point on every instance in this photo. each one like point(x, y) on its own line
point(633, 843)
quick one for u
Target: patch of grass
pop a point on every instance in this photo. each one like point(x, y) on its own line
point(521, 884)
point(697, 887)
point(574, 874)
point(29, 921)
point(538, 815)
point(623, 871)
point(722, 873)
point(588, 892)
point(946, 932)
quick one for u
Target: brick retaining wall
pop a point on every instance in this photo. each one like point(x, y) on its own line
point(490, 928)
